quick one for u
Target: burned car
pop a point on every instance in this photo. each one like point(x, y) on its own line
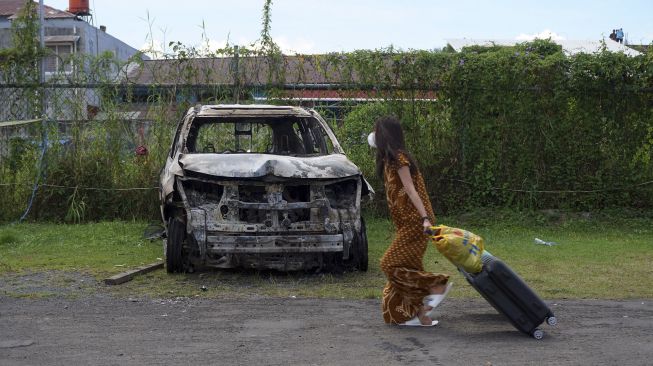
point(260, 186)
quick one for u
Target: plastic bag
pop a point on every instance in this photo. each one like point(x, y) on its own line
point(461, 247)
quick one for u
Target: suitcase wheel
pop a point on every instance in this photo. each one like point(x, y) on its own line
point(551, 320)
point(538, 334)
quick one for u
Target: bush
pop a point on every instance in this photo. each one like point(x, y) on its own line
point(539, 129)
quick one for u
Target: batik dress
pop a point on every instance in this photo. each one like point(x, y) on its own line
point(408, 283)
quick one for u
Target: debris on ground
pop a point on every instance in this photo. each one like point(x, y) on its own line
point(543, 242)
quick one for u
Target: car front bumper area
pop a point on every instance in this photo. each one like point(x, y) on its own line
point(267, 244)
point(284, 253)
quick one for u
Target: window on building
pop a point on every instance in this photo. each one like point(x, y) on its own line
point(58, 59)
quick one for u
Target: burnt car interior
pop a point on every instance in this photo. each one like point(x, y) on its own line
point(281, 136)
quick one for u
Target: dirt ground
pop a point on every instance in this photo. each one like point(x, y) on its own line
point(97, 328)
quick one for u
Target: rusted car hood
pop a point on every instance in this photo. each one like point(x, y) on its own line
point(260, 165)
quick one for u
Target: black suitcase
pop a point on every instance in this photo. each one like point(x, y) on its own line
point(511, 296)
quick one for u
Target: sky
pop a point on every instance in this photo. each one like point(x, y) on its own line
point(314, 26)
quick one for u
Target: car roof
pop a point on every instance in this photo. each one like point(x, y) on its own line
point(249, 110)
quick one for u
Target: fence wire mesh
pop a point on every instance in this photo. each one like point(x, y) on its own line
point(89, 144)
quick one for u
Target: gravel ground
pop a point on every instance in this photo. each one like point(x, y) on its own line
point(103, 330)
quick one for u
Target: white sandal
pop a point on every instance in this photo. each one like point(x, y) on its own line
point(435, 299)
point(416, 323)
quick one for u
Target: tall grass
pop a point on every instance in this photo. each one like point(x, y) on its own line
point(91, 170)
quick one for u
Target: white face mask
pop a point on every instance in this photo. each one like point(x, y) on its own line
point(371, 139)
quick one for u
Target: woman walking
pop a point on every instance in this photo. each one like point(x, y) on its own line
point(410, 294)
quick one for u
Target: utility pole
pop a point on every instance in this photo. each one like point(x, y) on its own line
point(41, 89)
point(235, 61)
point(41, 42)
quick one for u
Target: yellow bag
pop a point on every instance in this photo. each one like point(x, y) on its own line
point(461, 247)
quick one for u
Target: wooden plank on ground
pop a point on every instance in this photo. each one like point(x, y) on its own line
point(129, 275)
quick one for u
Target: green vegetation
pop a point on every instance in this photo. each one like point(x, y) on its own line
point(525, 127)
point(598, 255)
point(99, 249)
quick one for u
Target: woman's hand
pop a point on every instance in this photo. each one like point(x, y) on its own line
point(427, 226)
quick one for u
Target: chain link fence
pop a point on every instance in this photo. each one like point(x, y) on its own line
point(571, 133)
point(79, 152)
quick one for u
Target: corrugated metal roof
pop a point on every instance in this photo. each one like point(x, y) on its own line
point(313, 69)
point(300, 69)
point(11, 8)
point(570, 47)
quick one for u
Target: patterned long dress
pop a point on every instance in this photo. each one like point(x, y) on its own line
point(408, 283)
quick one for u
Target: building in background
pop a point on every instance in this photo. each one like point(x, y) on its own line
point(66, 33)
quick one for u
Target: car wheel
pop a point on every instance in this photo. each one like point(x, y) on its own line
point(175, 246)
point(361, 250)
point(358, 253)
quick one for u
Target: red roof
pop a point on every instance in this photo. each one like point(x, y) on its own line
point(356, 94)
point(11, 8)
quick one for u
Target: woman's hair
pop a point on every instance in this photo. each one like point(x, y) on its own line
point(389, 138)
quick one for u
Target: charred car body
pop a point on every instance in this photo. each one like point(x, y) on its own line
point(260, 186)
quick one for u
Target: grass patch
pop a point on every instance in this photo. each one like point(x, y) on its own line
point(599, 255)
point(8, 237)
point(98, 248)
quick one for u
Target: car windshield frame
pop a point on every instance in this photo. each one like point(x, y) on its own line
point(276, 135)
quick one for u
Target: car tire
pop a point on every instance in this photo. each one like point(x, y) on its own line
point(175, 246)
point(358, 257)
point(362, 258)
